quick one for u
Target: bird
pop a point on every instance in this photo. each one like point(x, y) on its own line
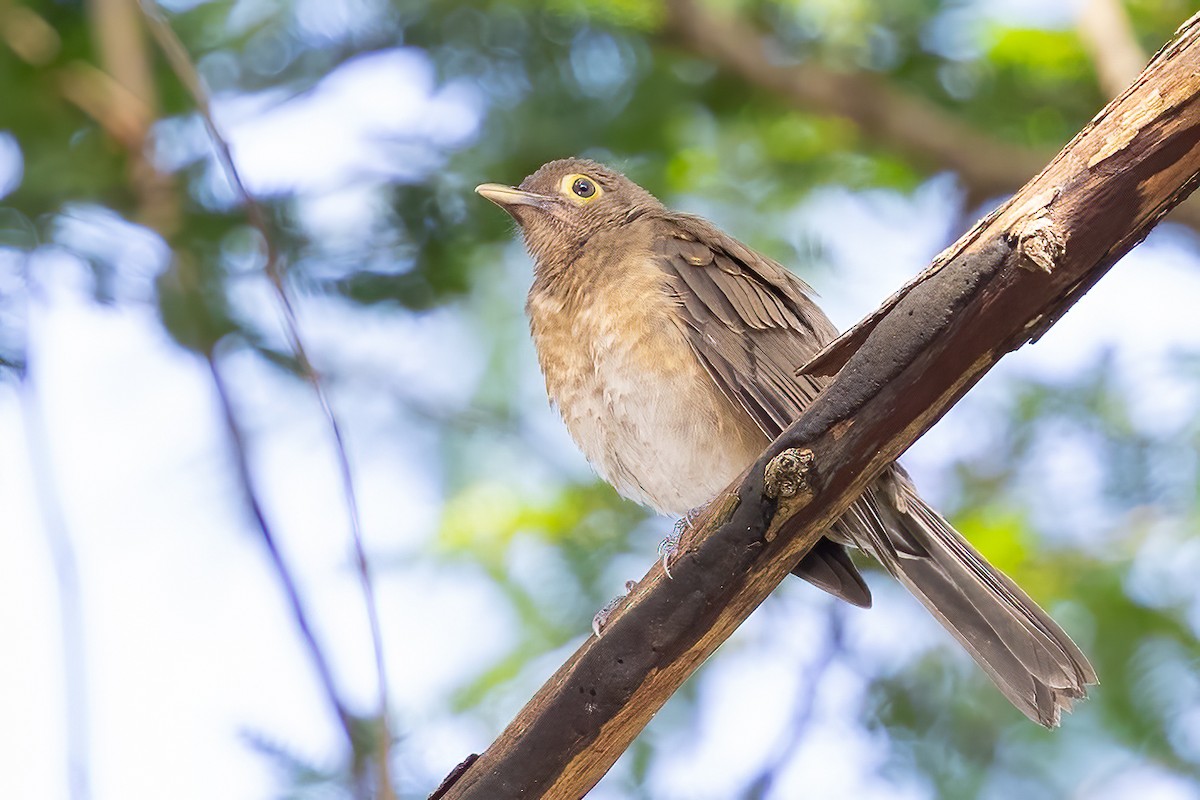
point(671, 351)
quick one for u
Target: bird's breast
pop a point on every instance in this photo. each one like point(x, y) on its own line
point(633, 395)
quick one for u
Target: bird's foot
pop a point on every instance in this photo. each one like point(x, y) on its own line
point(669, 547)
point(602, 616)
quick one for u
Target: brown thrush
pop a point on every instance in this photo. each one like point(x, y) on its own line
point(670, 349)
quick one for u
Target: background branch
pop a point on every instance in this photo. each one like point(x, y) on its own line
point(76, 704)
point(245, 479)
point(122, 98)
point(888, 115)
point(911, 124)
point(1108, 36)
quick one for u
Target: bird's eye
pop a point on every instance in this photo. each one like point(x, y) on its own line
point(583, 187)
point(580, 188)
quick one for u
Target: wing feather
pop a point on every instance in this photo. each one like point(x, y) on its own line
point(751, 324)
point(767, 327)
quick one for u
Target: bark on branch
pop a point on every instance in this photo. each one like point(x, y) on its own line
point(1000, 285)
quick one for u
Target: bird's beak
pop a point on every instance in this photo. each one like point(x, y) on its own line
point(506, 196)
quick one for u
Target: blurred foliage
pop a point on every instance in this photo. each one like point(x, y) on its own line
point(523, 82)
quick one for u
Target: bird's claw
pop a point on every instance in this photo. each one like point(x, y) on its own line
point(669, 547)
point(602, 616)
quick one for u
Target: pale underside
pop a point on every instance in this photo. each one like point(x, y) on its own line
point(636, 400)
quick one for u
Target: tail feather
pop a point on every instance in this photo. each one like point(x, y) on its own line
point(1025, 653)
point(828, 566)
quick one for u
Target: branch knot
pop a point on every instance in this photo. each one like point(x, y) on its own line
point(1040, 245)
point(1040, 242)
point(786, 473)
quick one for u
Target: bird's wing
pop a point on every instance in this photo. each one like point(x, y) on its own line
point(751, 323)
point(749, 320)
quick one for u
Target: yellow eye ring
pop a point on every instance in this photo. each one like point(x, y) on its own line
point(581, 188)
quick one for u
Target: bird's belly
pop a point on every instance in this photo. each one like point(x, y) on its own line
point(650, 419)
point(666, 454)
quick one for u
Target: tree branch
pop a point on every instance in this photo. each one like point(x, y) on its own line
point(1000, 285)
point(930, 135)
point(65, 560)
point(122, 98)
point(911, 124)
point(245, 479)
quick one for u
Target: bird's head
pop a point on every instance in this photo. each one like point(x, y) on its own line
point(565, 202)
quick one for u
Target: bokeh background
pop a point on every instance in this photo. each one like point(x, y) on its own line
point(149, 648)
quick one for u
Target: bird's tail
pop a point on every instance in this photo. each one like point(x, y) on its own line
point(1025, 653)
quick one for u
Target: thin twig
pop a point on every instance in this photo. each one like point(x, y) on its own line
point(70, 605)
point(187, 74)
point(246, 481)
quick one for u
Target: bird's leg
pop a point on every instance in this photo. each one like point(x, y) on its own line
point(601, 618)
point(668, 548)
